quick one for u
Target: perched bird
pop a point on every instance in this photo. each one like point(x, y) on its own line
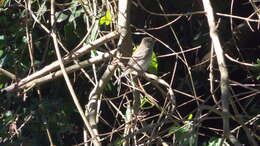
point(139, 62)
point(141, 57)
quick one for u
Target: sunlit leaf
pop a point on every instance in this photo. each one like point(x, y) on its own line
point(105, 19)
point(153, 66)
point(24, 39)
point(2, 37)
point(214, 141)
point(146, 104)
point(3, 60)
point(190, 116)
point(61, 17)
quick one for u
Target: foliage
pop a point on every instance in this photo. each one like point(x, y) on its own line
point(105, 19)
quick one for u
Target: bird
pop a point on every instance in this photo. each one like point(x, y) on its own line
point(141, 57)
point(140, 60)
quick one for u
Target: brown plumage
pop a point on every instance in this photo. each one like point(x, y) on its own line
point(141, 57)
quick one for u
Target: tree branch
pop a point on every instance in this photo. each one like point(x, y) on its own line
point(55, 65)
point(124, 46)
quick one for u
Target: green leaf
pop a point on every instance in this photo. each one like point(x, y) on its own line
point(108, 86)
point(105, 19)
point(1, 52)
point(256, 68)
point(2, 37)
point(146, 104)
point(61, 17)
point(190, 116)
point(153, 66)
point(257, 61)
point(119, 142)
point(24, 39)
point(187, 131)
point(75, 13)
point(178, 131)
point(4, 60)
point(214, 141)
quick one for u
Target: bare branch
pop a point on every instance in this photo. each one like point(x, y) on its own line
point(124, 46)
point(54, 66)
